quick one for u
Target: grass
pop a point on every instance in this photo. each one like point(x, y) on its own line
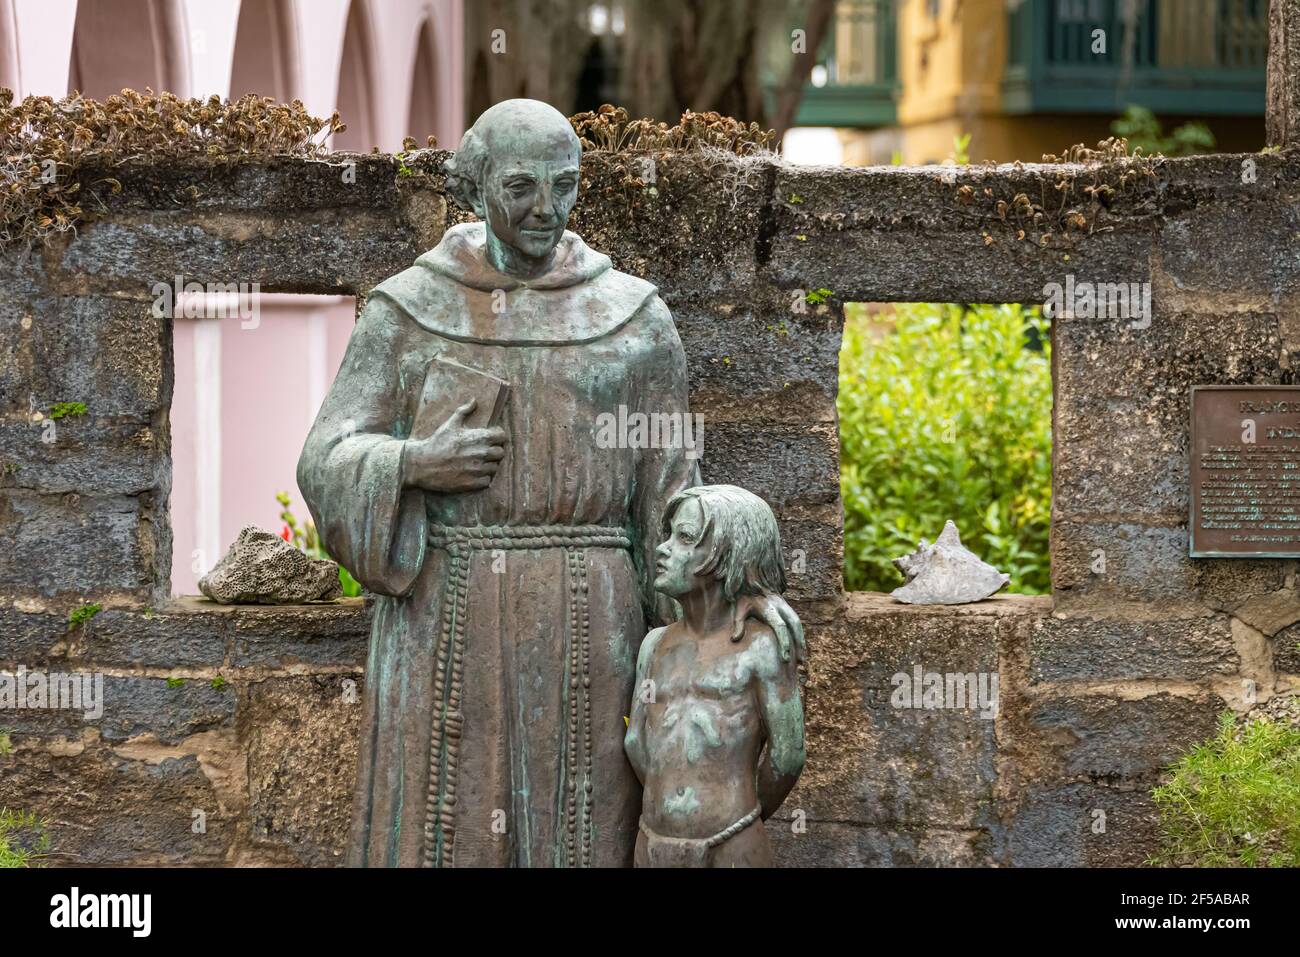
point(1234, 801)
point(24, 840)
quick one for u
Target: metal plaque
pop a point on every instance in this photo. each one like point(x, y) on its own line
point(1245, 464)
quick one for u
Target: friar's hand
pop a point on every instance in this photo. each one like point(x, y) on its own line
point(775, 612)
point(455, 458)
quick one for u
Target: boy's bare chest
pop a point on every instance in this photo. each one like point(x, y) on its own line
point(685, 668)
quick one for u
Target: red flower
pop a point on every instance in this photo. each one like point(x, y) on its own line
point(285, 534)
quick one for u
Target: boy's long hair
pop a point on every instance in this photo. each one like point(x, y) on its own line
point(745, 543)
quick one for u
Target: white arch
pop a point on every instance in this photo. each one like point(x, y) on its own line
point(129, 43)
point(422, 111)
point(356, 87)
point(10, 70)
point(265, 58)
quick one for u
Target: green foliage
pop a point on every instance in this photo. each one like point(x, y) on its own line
point(83, 614)
point(175, 682)
point(1140, 127)
point(305, 537)
point(6, 743)
point(960, 150)
point(818, 296)
point(24, 841)
point(218, 683)
point(946, 413)
point(1234, 801)
point(61, 409)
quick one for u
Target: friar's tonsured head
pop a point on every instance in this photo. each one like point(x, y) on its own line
point(517, 170)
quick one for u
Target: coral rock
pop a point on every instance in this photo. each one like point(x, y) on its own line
point(946, 573)
point(261, 568)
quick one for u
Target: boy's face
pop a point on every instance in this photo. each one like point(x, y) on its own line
point(680, 554)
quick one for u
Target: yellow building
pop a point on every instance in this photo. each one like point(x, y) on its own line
point(905, 78)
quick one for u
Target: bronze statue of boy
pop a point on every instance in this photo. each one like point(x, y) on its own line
point(716, 729)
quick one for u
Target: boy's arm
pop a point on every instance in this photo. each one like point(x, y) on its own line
point(634, 740)
point(781, 709)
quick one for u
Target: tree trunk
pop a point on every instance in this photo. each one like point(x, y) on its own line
point(816, 24)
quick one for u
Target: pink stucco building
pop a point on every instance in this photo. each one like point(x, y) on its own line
point(246, 393)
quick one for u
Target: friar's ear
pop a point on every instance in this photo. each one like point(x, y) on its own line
point(474, 201)
point(464, 190)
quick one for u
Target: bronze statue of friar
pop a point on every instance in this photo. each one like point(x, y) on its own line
point(454, 470)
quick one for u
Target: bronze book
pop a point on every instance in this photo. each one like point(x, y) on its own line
point(447, 386)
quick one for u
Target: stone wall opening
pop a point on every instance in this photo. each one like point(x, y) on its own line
point(251, 370)
point(945, 413)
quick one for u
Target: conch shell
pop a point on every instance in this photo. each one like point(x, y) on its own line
point(946, 573)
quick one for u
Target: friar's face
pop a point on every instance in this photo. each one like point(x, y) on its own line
point(528, 193)
point(680, 554)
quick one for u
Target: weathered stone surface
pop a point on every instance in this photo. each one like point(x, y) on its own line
point(814, 557)
point(136, 706)
point(1286, 651)
point(109, 806)
point(946, 573)
point(122, 638)
point(261, 568)
point(760, 361)
point(1122, 400)
point(192, 635)
point(911, 235)
point(841, 844)
point(302, 758)
point(1121, 741)
point(320, 636)
point(85, 455)
point(1124, 649)
point(77, 544)
point(902, 768)
point(1282, 113)
point(1095, 564)
point(681, 238)
point(1082, 825)
point(783, 464)
point(29, 634)
point(273, 186)
point(1231, 229)
point(339, 251)
point(104, 351)
point(1270, 612)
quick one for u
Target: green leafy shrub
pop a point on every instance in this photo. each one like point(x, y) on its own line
point(1140, 127)
point(946, 413)
point(1234, 801)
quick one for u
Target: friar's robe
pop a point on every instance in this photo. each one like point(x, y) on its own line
point(500, 671)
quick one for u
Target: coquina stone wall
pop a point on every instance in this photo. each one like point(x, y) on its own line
point(245, 714)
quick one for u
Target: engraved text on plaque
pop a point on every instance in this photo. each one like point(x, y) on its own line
point(1245, 464)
